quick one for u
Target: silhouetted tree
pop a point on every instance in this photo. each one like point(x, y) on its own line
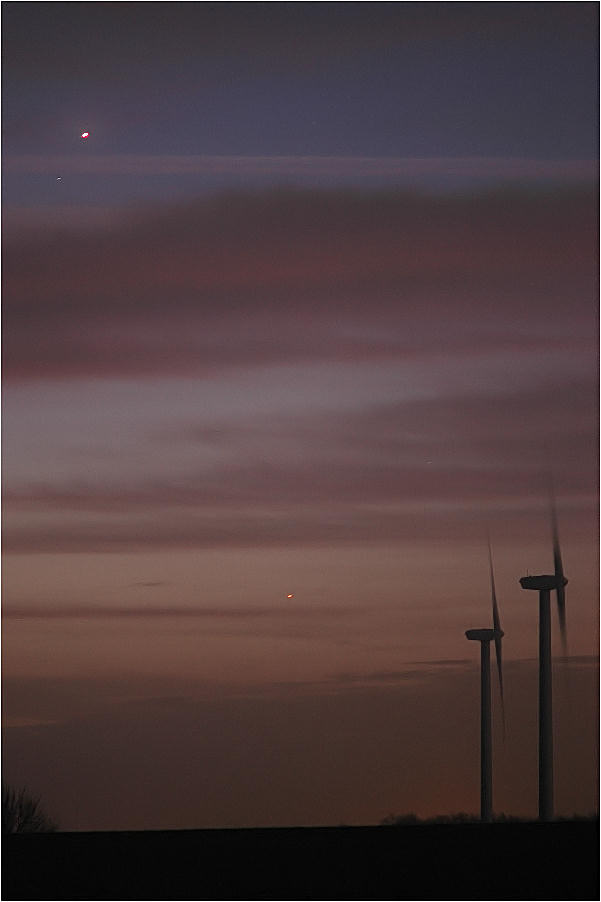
point(23, 813)
point(400, 820)
point(396, 820)
point(459, 817)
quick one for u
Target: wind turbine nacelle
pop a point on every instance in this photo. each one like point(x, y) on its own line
point(484, 635)
point(546, 582)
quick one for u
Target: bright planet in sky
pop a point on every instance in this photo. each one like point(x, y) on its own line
point(289, 596)
point(85, 134)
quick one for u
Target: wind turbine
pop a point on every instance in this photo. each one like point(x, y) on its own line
point(544, 585)
point(485, 637)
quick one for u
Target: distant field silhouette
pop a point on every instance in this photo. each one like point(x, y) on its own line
point(532, 860)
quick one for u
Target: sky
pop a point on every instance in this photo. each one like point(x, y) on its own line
point(309, 314)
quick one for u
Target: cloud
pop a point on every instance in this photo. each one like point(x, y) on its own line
point(249, 280)
point(413, 671)
point(455, 448)
point(397, 168)
point(256, 280)
point(321, 526)
point(108, 612)
point(427, 468)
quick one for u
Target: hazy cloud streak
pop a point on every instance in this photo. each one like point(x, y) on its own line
point(470, 168)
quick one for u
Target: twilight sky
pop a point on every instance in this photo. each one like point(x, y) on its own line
point(312, 309)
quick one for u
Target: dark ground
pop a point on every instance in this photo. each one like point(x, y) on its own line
point(497, 861)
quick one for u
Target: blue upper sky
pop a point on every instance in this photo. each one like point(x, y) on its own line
point(391, 79)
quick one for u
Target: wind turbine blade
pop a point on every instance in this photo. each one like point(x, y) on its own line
point(499, 657)
point(495, 607)
point(559, 576)
point(496, 620)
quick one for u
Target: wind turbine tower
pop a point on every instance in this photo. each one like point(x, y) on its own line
point(485, 637)
point(544, 585)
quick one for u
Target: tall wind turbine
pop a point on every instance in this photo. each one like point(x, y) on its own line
point(544, 585)
point(485, 637)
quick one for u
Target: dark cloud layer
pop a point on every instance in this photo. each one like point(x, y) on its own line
point(170, 33)
point(89, 612)
point(344, 525)
point(265, 278)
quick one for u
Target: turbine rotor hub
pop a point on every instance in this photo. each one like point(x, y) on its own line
point(546, 582)
point(484, 635)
